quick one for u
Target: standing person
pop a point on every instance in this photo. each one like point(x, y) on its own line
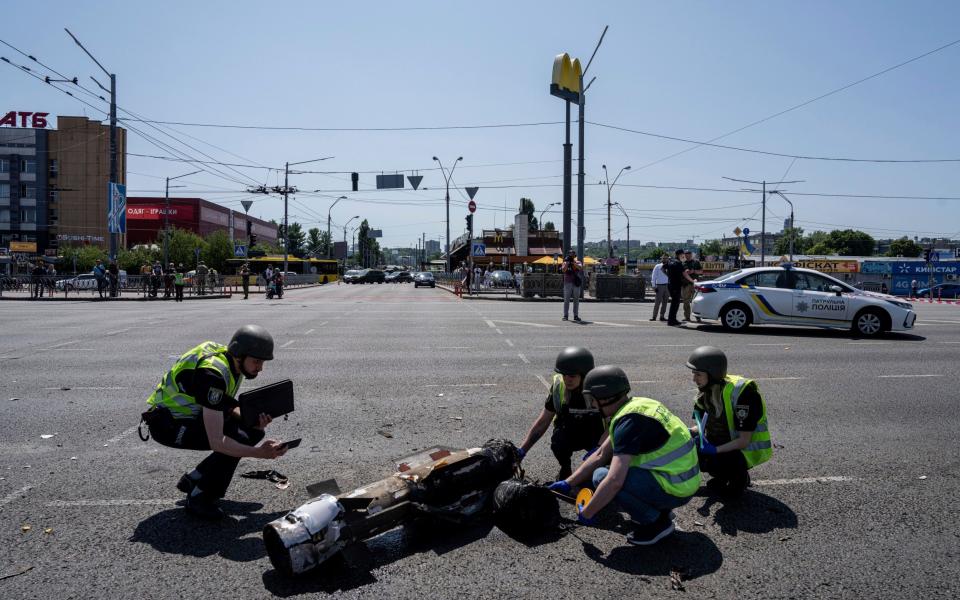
point(178, 283)
point(694, 270)
point(245, 280)
point(195, 408)
point(572, 271)
point(51, 279)
point(648, 462)
point(476, 277)
point(677, 275)
point(576, 425)
point(168, 277)
point(36, 279)
point(278, 283)
point(156, 277)
point(100, 274)
point(113, 274)
point(731, 431)
point(145, 271)
point(659, 281)
point(914, 286)
point(268, 276)
point(201, 277)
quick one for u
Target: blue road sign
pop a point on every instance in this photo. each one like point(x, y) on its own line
point(934, 257)
point(240, 251)
point(478, 249)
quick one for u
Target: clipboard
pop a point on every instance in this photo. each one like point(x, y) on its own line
point(275, 399)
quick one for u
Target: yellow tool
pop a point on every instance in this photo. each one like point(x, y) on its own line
point(583, 498)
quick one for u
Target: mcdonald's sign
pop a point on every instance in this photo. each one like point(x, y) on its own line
point(566, 78)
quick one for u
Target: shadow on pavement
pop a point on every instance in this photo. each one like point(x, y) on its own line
point(353, 568)
point(804, 332)
point(175, 531)
point(690, 554)
point(752, 513)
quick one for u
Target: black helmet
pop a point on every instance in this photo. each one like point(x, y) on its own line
point(253, 341)
point(605, 384)
point(711, 361)
point(574, 361)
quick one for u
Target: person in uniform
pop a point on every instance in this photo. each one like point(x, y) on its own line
point(731, 430)
point(576, 425)
point(201, 278)
point(648, 462)
point(245, 280)
point(178, 283)
point(195, 408)
point(688, 291)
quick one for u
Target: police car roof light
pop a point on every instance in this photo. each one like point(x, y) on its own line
point(787, 265)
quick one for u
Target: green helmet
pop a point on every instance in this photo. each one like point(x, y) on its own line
point(605, 384)
point(574, 361)
point(253, 341)
point(711, 361)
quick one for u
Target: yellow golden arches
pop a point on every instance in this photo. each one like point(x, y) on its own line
point(566, 78)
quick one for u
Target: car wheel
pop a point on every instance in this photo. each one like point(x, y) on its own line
point(735, 317)
point(870, 322)
point(433, 285)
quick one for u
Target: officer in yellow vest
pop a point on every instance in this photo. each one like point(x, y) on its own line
point(576, 424)
point(195, 408)
point(648, 462)
point(731, 431)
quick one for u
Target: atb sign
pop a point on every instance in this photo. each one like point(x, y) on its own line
point(478, 249)
point(240, 251)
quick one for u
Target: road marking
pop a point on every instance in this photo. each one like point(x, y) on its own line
point(543, 381)
point(777, 378)
point(948, 342)
point(523, 358)
point(828, 479)
point(453, 347)
point(672, 346)
point(784, 344)
point(285, 344)
point(490, 323)
point(62, 345)
point(122, 435)
point(14, 495)
point(938, 321)
point(461, 385)
point(309, 331)
point(509, 343)
point(869, 343)
point(526, 323)
point(302, 349)
point(551, 346)
point(118, 331)
point(119, 502)
point(322, 324)
point(608, 324)
point(498, 331)
point(907, 376)
point(71, 388)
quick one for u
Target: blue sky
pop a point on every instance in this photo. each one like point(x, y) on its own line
point(693, 70)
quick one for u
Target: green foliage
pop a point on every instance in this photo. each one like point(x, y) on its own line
point(182, 248)
point(217, 250)
point(368, 249)
point(820, 248)
point(132, 260)
point(782, 245)
point(905, 247)
point(297, 239)
point(713, 247)
point(86, 257)
point(318, 242)
point(850, 242)
point(549, 226)
point(527, 207)
point(652, 254)
point(730, 252)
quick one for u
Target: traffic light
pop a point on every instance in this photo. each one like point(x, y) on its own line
point(355, 178)
point(926, 255)
point(249, 228)
point(253, 240)
point(470, 222)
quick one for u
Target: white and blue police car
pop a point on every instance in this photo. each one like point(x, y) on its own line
point(785, 295)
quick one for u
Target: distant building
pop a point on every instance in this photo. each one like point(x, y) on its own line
point(145, 220)
point(433, 246)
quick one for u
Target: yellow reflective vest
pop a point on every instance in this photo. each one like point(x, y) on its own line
point(759, 450)
point(208, 355)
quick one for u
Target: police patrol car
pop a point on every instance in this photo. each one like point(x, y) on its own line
point(786, 295)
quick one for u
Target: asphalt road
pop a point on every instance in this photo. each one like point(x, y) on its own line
point(859, 500)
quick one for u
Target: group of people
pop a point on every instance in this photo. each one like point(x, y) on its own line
point(108, 278)
point(674, 282)
point(639, 454)
point(42, 278)
point(173, 280)
point(272, 280)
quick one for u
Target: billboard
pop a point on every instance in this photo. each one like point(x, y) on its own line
point(156, 212)
point(116, 208)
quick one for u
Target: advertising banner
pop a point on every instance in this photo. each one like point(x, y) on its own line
point(877, 267)
point(825, 265)
point(30, 247)
point(156, 212)
point(116, 208)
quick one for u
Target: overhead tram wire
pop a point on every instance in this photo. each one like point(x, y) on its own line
point(359, 129)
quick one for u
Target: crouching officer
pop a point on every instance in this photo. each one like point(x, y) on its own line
point(576, 425)
point(731, 430)
point(195, 408)
point(648, 463)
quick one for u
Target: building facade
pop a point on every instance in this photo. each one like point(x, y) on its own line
point(146, 218)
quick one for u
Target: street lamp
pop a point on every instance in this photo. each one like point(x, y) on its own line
point(627, 265)
point(540, 222)
point(329, 239)
point(345, 240)
point(793, 227)
point(448, 178)
point(353, 234)
point(166, 218)
point(609, 189)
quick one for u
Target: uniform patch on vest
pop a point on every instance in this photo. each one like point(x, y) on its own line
point(743, 411)
point(214, 395)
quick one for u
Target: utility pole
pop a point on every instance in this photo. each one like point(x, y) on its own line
point(113, 127)
point(609, 204)
point(286, 190)
point(447, 178)
point(763, 223)
point(627, 262)
point(581, 230)
point(329, 239)
point(166, 218)
point(793, 228)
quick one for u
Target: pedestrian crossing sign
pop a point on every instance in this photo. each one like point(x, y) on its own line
point(478, 249)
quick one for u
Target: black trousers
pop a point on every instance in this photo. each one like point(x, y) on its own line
point(729, 466)
point(246, 287)
point(570, 437)
point(178, 293)
point(216, 470)
point(675, 299)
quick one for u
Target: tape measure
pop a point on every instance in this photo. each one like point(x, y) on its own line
point(583, 498)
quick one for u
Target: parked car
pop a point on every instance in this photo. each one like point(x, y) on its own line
point(941, 290)
point(368, 276)
point(399, 277)
point(502, 279)
point(86, 281)
point(424, 278)
point(351, 276)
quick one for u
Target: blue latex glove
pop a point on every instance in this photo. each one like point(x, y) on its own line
point(587, 455)
point(582, 519)
point(560, 486)
point(708, 448)
point(522, 453)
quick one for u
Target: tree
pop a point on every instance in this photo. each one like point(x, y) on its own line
point(730, 252)
point(183, 246)
point(820, 248)
point(131, 260)
point(368, 248)
point(711, 248)
point(85, 257)
point(296, 239)
point(782, 245)
point(850, 242)
point(549, 226)
point(527, 208)
point(652, 254)
point(905, 247)
point(217, 251)
point(317, 242)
